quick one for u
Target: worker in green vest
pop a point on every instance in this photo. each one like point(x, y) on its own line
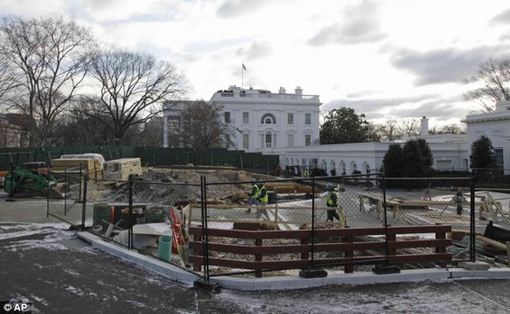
point(254, 197)
point(332, 202)
point(459, 198)
point(263, 200)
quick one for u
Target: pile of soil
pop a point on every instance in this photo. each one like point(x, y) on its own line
point(156, 186)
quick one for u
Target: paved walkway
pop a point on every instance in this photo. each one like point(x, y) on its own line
point(48, 266)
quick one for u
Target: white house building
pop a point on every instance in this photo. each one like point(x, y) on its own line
point(288, 125)
point(262, 121)
point(450, 152)
point(496, 126)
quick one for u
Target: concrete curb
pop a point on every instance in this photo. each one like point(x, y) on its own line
point(333, 278)
point(293, 281)
point(164, 269)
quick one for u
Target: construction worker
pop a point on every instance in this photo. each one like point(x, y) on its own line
point(459, 197)
point(263, 200)
point(254, 197)
point(332, 202)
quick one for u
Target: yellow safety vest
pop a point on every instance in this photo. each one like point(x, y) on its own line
point(255, 192)
point(329, 201)
point(265, 198)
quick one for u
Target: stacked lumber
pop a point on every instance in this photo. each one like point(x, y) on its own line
point(93, 167)
point(288, 187)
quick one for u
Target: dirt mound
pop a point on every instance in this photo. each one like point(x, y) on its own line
point(166, 186)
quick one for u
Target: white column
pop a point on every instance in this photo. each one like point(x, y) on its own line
point(165, 131)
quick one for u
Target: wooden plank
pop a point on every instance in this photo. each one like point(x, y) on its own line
point(299, 234)
point(491, 242)
point(319, 247)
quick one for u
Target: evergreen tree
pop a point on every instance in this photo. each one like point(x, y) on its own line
point(482, 154)
point(414, 161)
point(393, 161)
point(427, 153)
point(343, 125)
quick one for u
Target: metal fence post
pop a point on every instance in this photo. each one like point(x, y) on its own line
point(202, 203)
point(130, 212)
point(80, 183)
point(11, 179)
point(472, 222)
point(206, 266)
point(313, 222)
point(84, 200)
point(65, 191)
point(47, 197)
point(386, 248)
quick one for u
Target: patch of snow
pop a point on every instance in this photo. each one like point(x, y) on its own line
point(137, 304)
point(74, 290)
point(12, 235)
point(71, 272)
point(39, 299)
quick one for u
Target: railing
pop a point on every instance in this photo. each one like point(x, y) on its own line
point(271, 95)
point(323, 240)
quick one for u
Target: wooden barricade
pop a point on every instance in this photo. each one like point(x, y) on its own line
point(323, 243)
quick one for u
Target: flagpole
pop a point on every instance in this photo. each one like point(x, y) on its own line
point(242, 75)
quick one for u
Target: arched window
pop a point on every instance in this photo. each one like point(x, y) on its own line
point(354, 167)
point(366, 167)
point(268, 119)
point(342, 168)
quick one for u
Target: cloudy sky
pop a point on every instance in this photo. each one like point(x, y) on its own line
point(387, 59)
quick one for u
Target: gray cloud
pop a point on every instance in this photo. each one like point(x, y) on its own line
point(445, 65)
point(502, 18)
point(362, 93)
point(414, 107)
point(234, 8)
point(371, 106)
point(254, 51)
point(360, 24)
point(439, 108)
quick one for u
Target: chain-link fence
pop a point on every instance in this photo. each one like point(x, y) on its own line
point(274, 226)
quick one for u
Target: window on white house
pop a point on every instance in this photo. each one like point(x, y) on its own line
point(308, 139)
point(268, 119)
point(227, 117)
point(290, 140)
point(290, 118)
point(246, 141)
point(173, 123)
point(500, 161)
point(444, 164)
point(227, 140)
point(269, 140)
point(308, 118)
point(246, 117)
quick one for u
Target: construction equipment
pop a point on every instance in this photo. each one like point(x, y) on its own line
point(31, 179)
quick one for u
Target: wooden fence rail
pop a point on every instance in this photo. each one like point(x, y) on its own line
point(326, 240)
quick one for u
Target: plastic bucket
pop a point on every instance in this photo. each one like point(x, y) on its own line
point(165, 248)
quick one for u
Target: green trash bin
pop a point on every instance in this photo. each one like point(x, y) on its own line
point(165, 248)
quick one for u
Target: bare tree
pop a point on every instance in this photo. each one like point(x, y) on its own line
point(49, 61)
point(132, 88)
point(410, 127)
point(8, 80)
point(390, 130)
point(453, 128)
point(494, 75)
point(373, 133)
point(203, 127)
